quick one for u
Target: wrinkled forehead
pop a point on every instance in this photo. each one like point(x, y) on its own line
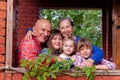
point(65, 21)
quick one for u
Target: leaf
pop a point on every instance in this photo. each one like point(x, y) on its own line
point(27, 74)
point(48, 60)
point(24, 63)
point(33, 74)
point(49, 51)
point(34, 68)
point(44, 77)
point(30, 65)
point(88, 72)
point(39, 78)
point(75, 74)
point(77, 68)
point(24, 78)
point(84, 69)
point(93, 68)
point(53, 75)
point(91, 77)
point(54, 68)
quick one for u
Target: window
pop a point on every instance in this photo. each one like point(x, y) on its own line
point(106, 39)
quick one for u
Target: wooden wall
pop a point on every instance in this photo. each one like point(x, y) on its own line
point(28, 13)
point(116, 32)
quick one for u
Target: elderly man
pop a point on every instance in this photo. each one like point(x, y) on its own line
point(29, 49)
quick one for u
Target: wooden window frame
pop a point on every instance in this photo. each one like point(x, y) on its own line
point(9, 43)
point(9, 32)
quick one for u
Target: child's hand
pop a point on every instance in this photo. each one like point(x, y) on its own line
point(60, 59)
point(72, 58)
point(29, 34)
point(101, 66)
point(88, 63)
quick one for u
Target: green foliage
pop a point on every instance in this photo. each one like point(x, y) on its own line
point(43, 67)
point(88, 23)
point(89, 72)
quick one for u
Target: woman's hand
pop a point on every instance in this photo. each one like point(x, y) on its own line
point(29, 34)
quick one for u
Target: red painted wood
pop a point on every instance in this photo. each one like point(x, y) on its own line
point(17, 76)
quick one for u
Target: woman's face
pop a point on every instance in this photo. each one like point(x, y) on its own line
point(85, 52)
point(56, 42)
point(66, 28)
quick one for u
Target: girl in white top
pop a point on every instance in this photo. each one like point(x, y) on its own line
point(68, 48)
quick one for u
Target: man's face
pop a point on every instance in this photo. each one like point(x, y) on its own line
point(66, 28)
point(43, 31)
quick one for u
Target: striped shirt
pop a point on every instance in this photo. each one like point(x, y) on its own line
point(80, 60)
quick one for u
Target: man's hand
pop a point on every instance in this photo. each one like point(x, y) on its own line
point(88, 63)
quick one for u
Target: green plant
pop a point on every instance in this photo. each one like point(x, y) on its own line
point(89, 72)
point(46, 65)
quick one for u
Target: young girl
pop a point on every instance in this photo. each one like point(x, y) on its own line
point(84, 51)
point(68, 48)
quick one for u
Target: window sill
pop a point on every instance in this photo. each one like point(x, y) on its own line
point(97, 72)
point(72, 71)
point(9, 69)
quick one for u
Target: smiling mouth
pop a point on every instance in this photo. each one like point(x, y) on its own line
point(67, 51)
point(43, 37)
point(86, 54)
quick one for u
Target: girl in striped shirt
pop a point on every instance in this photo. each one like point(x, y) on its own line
point(84, 51)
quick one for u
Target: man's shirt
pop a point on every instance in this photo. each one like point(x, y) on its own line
point(29, 49)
